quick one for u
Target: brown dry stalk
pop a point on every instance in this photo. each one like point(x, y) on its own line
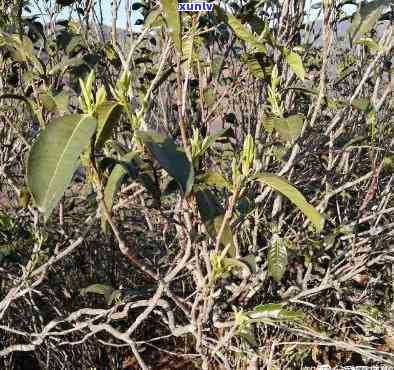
point(327, 41)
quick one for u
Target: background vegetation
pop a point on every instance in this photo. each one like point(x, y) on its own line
point(207, 191)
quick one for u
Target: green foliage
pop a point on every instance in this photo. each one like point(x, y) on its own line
point(363, 104)
point(8, 253)
point(277, 258)
point(213, 178)
point(173, 20)
point(171, 157)
point(248, 155)
point(7, 225)
point(212, 214)
point(258, 65)
point(275, 311)
point(367, 16)
point(108, 291)
point(295, 63)
point(241, 31)
point(122, 169)
point(222, 266)
point(289, 128)
point(153, 19)
point(87, 101)
point(200, 146)
point(216, 63)
point(274, 97)
point(108, 114)
point(244, 67)
point(56, 102)
point(369, 42)
point(190, 49)
point(21, 50)
point(53, 158)
point(65, 64)
point(284, 187)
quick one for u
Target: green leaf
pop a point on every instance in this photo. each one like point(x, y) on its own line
point(8, 253)
point(209, 97)
point(76, 41)
point(284, 187)
point(237, 263)
point(114, 295)
point(250, 260)
point(270, 310)
point(279, 151)
point(268, 122)
point(212, 214)
point(274, 311)
point(289, 128)
point(189, 45)
point(173, 20)
point(366, 18)
point(187, 50)
point(249, 337)
point(171, 157)
point(108, 115)
point(53, 158)
point(106, 290)
point(224, 133)
point(213, 178)
point(21, 50)
point(290, 315)
point(115, 180)
point(369, 42)
point(363, 104)
point(277, 258)
point(257, 67)
point(372, 120)
point(254, 67)
point(295, 63)
point(215, 68)
point(154, 19)
point(58, 102)
point(241, 31)
point(66, 63)
point(388, 163)
point(245, 206)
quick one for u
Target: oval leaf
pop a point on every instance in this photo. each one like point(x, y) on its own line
point(256, 65)
point(366, 18)
point(56, 102)
point(53, 158)
point(216, 179)
point(295, 63)
point(237, 263)
point(108, 115)
point(241, 31)
point(115, 180)
point(276, 312)
point(212, 214)
point(277, 258)
point(173, 20)
point(66, 63)
point(269, 310)
point(284, 187)
point(289, 128)
point(171, 157)
point(106, 290)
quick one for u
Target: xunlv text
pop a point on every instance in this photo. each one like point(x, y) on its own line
point(195, 7)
